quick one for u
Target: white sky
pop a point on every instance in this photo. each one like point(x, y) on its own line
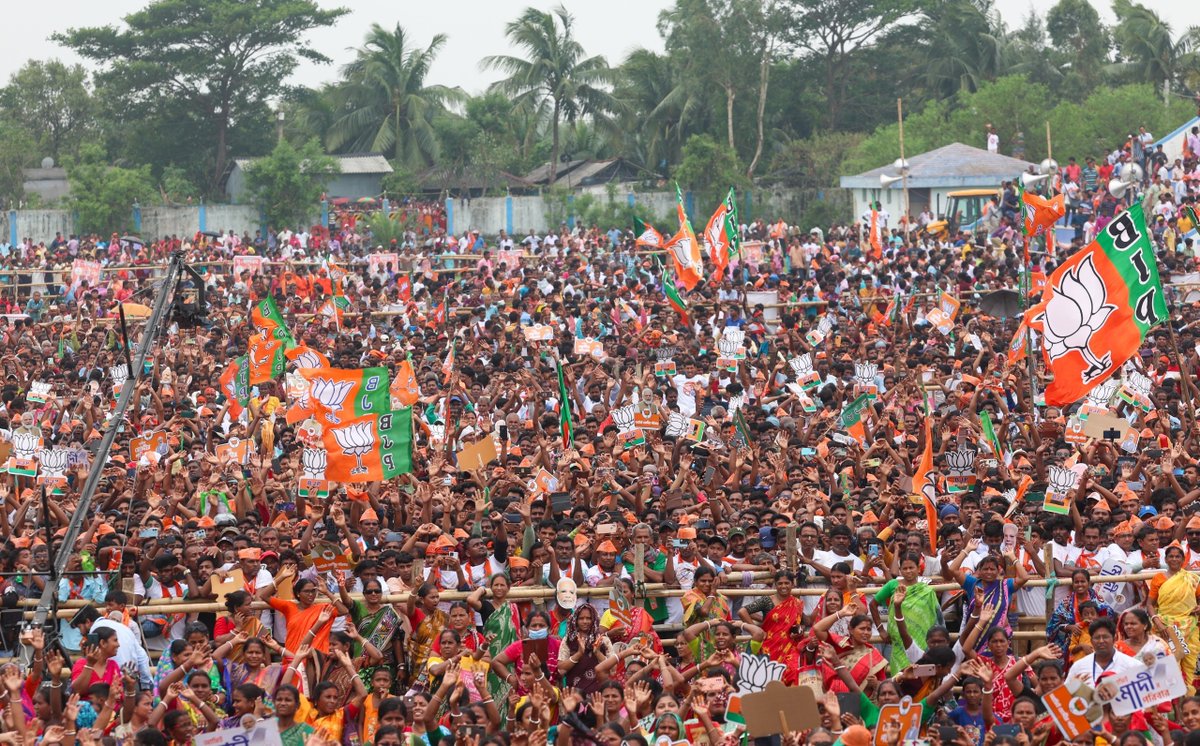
point(475, 28)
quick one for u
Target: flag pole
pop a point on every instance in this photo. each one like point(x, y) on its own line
point(904, 166)
point(1185, 376)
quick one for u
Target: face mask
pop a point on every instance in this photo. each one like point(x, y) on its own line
point(539, 634)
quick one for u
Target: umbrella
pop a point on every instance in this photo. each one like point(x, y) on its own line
point(210, 234)
point(1000, 303)
point(366, 200)
point(136, 310)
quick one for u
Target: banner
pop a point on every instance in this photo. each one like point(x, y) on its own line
point(83, 270)
point(247, 263)
point(377, 264)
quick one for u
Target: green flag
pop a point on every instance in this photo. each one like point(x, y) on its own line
point(564, 410)
point(989, 433)
point(269, 322)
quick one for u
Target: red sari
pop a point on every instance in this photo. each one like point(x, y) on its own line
point(779, 644)
point(863, 660)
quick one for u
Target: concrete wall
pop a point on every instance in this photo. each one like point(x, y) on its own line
point(519, 214)
point(156, 222)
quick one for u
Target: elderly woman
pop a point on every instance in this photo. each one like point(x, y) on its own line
point(1174, 594)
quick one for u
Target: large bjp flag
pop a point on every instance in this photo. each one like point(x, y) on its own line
point(266, 357)
point(303, 356)
point(371, 448)
point(924, 485)
point(338, 395)
point(1098, 306)
point(685, 249)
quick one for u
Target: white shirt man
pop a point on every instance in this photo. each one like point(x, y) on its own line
point(993, 142)
point(687, 387)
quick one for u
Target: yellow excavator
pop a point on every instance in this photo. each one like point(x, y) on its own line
point(965, 212)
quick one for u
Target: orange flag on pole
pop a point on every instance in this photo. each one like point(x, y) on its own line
point(874, 235)
point(404, 389)
point(924, 487)
point(337, 394)
point(685, 249)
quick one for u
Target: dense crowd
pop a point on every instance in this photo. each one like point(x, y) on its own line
point(711, 455)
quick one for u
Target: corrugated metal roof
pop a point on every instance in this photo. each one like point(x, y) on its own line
point(354, 163)
point(588, 169)
point(542, 172)
point(953, 165)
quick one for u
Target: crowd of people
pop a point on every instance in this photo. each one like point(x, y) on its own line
point(713, 504)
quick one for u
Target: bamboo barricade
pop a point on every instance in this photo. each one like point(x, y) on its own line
point(67, 609)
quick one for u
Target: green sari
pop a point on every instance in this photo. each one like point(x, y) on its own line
point(378, 628)
point(502, 628)
point(920, 613)
point(296, 735)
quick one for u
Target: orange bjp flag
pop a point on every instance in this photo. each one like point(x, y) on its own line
point(266, 358)
point(338, 394)
point(404, 389)
point(924, 488)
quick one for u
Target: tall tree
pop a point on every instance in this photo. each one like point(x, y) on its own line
point(220, 58)
point(53, 102)
point(965, 45)
point(389, 107)
point(1148, 49)
point(555, 72)
point(1076, 33)
point(833, 31)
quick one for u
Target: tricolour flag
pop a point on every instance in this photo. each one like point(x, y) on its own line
point(370, 448)
point(684, 249)
point(646, 235)
point(564, 409)
point(338, 395)
point(235, 385)
point(673, 297)
point(1098, 306)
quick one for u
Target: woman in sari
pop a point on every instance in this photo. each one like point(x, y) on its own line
point(427, 622)
point(987, 586)
point(501, 628)
point(1136, 640)
point(291, 731)
point(577, 656)
point(240, 616)
point(1173, 594)
point(305, 614)
point(843, 590)
point(908, 601)
point(377, 624)
point(1066, 628)
point(854, 650)
point(701, 604)
point(781, 615)
point(630, 623)
point(255, 667)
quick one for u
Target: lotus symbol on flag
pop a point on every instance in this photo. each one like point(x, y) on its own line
point(257, 360)
point(737, 336)
point(119, 374)
point(1062, 480)
point(727, 347)
point(308, 359)
point(756, 671)
point(25, 444)
point(313, 461)
point(960, 461)
point(802, 365)
point(682, 249)
point(1077, 310)
point(331, 394)
point(677, 425)
point(356, 440)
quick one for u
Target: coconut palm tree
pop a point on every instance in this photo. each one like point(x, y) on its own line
point(1147, 50)
point(389, 108)
point(965, 45)
point(555, 72)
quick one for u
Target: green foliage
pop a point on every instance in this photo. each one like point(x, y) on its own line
point(708, 169)
point(53, 103)
point(16, 150)
point(1095, 126)
point(218, 60)
point(175, 188)
point(288, 183)
point(389, 108)
point(102, 195)
point(815, 162)
point(555, 77)
point(387, 228)
point(401, 182)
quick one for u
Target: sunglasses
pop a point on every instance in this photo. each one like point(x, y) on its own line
point(372, 592)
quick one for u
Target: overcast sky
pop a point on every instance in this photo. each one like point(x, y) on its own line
point(475, 28)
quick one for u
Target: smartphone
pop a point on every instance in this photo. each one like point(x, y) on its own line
point(503, 430)
point(709, 473)
point(512, 517)
point(924, 670)
point(1011, 730)
point(605, 529)
point(1154, 453)
point(850, 702)
point(808, 451)
point(535, 647)
point(947, 734)
point(873, 550)
point(148, 533)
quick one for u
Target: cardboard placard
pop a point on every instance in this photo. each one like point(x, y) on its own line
point(543, 483)
point(264, 733)
point(780, 709)
point(236, 451)
point(1072, 708)
point(40, 392)
point(589, 346)
point(907, 715)
point(1148, 687)
point(478, 454)
point(234, 582)
point(665, 369)
point(1106, 427)
point(538, 333)
point(326, 556)
point(154, 441)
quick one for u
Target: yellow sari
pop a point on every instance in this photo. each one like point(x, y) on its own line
point(1176, 600)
